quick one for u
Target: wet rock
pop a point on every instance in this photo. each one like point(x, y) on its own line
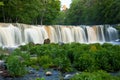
point(5, 73)
point(47, 41)
point(48, 73)
point(118, 40)
point(1, 72)
point(68, 76)
point(2, 64)
point(32, 72)
point(61, 43)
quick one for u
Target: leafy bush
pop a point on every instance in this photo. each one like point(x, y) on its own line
point(108, 60)
point(25, 56)
point(114, 60)
point(83, 57)
point(40, 79)
point(26, 47)
point(65, 65)
point(85, 63)
point(15, 66)
point(31, 61)
point(45, 61)
point(102, 60)
point(99, 75)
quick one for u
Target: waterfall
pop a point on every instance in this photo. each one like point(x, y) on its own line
point(112, 33)
point(78, 34)
point(100, 33)
point(17, 34)
point(92, 36)
point(10, 36)
point(35, 34)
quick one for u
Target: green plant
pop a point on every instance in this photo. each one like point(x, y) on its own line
point(15, 66)
point(18, 52)
point(35, 67)
point(99, 75)
point(2, 56)
point(102, 60)
point(85, 62)
point(45, 61)
point(83, 57)
point(64, 64)
point(40, 79)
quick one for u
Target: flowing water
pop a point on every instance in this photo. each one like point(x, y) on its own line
point(18, 34)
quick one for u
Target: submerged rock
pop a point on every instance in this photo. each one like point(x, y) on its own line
point(68, 76)
point(2, 65)
point(48, 73)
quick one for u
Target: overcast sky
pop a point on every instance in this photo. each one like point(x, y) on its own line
point(66, 2)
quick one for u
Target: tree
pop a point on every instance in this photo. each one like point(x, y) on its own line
point(94, 12)
point(30, 11)
point(60, 19)
point(49, 11)
point(1, 4)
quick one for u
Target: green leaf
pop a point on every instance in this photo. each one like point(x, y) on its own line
point(1, 4)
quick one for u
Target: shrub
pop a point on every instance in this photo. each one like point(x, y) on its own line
point(114, 61)
point(31, 61)
point(45, 61)
point(99, 75)
point(40, 79)
point(85, 63)
point(83, 57)
point(102, 60)
point(93, 48)
point(25, 56)
point(15, 66)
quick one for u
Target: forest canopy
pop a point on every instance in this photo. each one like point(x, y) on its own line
point(29, 11)
point(47, 12)
point(93, 12)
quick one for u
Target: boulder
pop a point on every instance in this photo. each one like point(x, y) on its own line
point(47, 41)
point(48, 73)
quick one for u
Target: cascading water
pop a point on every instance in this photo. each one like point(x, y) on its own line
point(66, 35)
point(78, 35)
point(35, 34)
point(112, 33)
point(11, 35)
point(92, 36)
point(100, 33)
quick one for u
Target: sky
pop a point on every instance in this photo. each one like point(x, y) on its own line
point(66, 2)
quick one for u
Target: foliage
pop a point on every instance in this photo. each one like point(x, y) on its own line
point(60, 19)
point(3, 54)
point(1, 4)
point(64, 64)
point(16, 63)
point(99, 75)
point(93, 12)
point(33, 11)
point(82, 57)
point(45, 61)
point(30, 62)
point(85, 63)
point(39, 79)
point(25, 56)
point(15, 66)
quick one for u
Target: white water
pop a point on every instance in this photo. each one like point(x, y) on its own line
point(20, 33)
